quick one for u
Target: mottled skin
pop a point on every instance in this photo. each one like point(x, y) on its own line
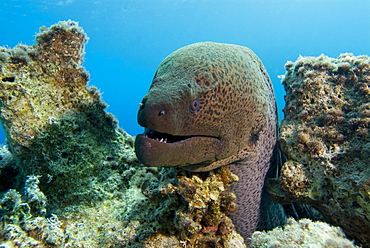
point(220, 100)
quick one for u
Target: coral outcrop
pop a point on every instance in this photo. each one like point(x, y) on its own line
point(69, 176)
point(56, 127)
point(201, 219)
point(205, 220)
point(303, 233)
point(325, 137)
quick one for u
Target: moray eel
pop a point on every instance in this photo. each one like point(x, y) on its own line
point(209, 105)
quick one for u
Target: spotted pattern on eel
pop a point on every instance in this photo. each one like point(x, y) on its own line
point(209, 105)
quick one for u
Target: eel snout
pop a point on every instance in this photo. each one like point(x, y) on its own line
point(165, 143)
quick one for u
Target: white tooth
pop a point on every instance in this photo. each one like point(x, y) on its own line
point(165, 140)
point(161, 140)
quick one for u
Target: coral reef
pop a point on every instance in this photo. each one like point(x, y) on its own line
point(204, 221)
point(23, 220)
point(325, 137)
point(201, 219)
point(8, 169)
point(56, 127)
point(151, 212)
point(70, 177)
point(303, 233)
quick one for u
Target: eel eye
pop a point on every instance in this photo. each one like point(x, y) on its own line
point(194, 106)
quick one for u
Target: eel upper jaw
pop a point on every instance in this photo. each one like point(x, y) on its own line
point(159, 149)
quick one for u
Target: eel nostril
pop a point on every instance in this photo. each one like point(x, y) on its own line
point(162, 112)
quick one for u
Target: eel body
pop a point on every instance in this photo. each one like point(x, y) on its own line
point(209, 105)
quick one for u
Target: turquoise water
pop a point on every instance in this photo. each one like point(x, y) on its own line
point(129, 38)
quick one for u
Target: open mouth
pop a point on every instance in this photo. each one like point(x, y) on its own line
point(165, 137)
point(158, 149)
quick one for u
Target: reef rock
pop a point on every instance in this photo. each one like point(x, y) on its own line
point(325, 137)
point(303, 233)
point(55, 125)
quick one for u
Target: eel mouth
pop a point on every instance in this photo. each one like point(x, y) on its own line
point(159, 149)
point(166, 137)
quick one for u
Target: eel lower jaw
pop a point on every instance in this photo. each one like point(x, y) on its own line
point(165, 150)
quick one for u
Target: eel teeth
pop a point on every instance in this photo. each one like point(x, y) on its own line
point(162, 140)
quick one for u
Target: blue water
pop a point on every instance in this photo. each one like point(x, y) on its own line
point(129, 38)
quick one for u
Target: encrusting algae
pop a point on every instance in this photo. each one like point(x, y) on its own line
point(69, 174)
point(56, 127)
